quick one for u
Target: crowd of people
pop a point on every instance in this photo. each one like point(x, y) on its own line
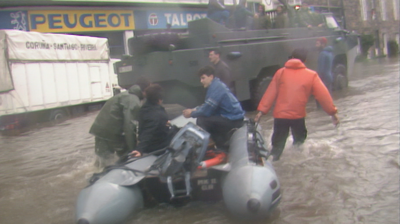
point(239, 17)
point(115, 127)
point(134, 122)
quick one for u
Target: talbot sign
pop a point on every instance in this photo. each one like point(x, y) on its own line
point(158, 19)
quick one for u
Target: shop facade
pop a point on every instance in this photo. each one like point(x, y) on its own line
point(115, 23)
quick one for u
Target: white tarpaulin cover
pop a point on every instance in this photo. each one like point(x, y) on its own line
point(33, 46)
point(16, 45)
point(5, 77)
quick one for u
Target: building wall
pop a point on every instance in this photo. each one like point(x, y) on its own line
point(117, 23)
point(376, 17)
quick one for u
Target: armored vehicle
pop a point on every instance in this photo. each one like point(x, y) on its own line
point(172, 60)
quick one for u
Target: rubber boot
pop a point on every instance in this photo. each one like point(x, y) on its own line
point(276, 153)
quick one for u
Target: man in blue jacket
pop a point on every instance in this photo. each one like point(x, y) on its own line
point(220, 112)
point(325, 61)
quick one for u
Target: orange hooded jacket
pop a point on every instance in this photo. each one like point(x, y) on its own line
point(291, 87)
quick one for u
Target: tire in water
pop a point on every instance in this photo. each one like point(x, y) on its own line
point(259, 90)
point(340, 80)
point(57, 116)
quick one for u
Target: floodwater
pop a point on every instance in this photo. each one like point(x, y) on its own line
point(348, 174)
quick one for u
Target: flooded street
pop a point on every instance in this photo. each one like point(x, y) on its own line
point(348, 174)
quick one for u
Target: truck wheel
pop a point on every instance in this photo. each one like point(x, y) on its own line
point(57, 116)
point(259, 90)
point(340, 80)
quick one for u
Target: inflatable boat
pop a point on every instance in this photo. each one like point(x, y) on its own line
point(187, 170)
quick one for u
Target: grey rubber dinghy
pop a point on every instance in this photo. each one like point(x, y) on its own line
point(186, 171)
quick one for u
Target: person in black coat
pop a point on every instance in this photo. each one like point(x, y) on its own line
point(155, 131)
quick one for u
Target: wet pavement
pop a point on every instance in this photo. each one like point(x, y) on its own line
point(348, 174)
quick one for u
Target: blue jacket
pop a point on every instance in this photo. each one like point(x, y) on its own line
point(325, 60)
point(219, 102)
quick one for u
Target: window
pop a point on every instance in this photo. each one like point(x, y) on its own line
point(364, 9)
point(396, 9)
point(331, 22)
point(383, 10)
point(384, 48)
point(294, 2)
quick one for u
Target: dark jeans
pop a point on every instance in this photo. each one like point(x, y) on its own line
point(281, 132)
point(219, 128)
point(219, 16)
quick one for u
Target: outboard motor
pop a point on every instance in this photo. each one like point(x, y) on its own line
point(186, 151)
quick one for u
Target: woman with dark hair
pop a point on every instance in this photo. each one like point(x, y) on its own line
point(261, 19)
point(154, 127)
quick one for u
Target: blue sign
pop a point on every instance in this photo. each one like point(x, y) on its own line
point(17, 20)
point(158, 19)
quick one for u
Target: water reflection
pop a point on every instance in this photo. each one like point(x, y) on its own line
point(348, 174)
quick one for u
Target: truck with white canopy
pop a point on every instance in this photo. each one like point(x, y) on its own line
point(51, 76)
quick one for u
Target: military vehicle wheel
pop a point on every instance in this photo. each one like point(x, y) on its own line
point(340, 80)
point(259, 90)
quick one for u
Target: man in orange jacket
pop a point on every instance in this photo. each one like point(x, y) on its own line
point(290, 89)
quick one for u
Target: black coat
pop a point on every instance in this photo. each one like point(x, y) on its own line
point(154, 134)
